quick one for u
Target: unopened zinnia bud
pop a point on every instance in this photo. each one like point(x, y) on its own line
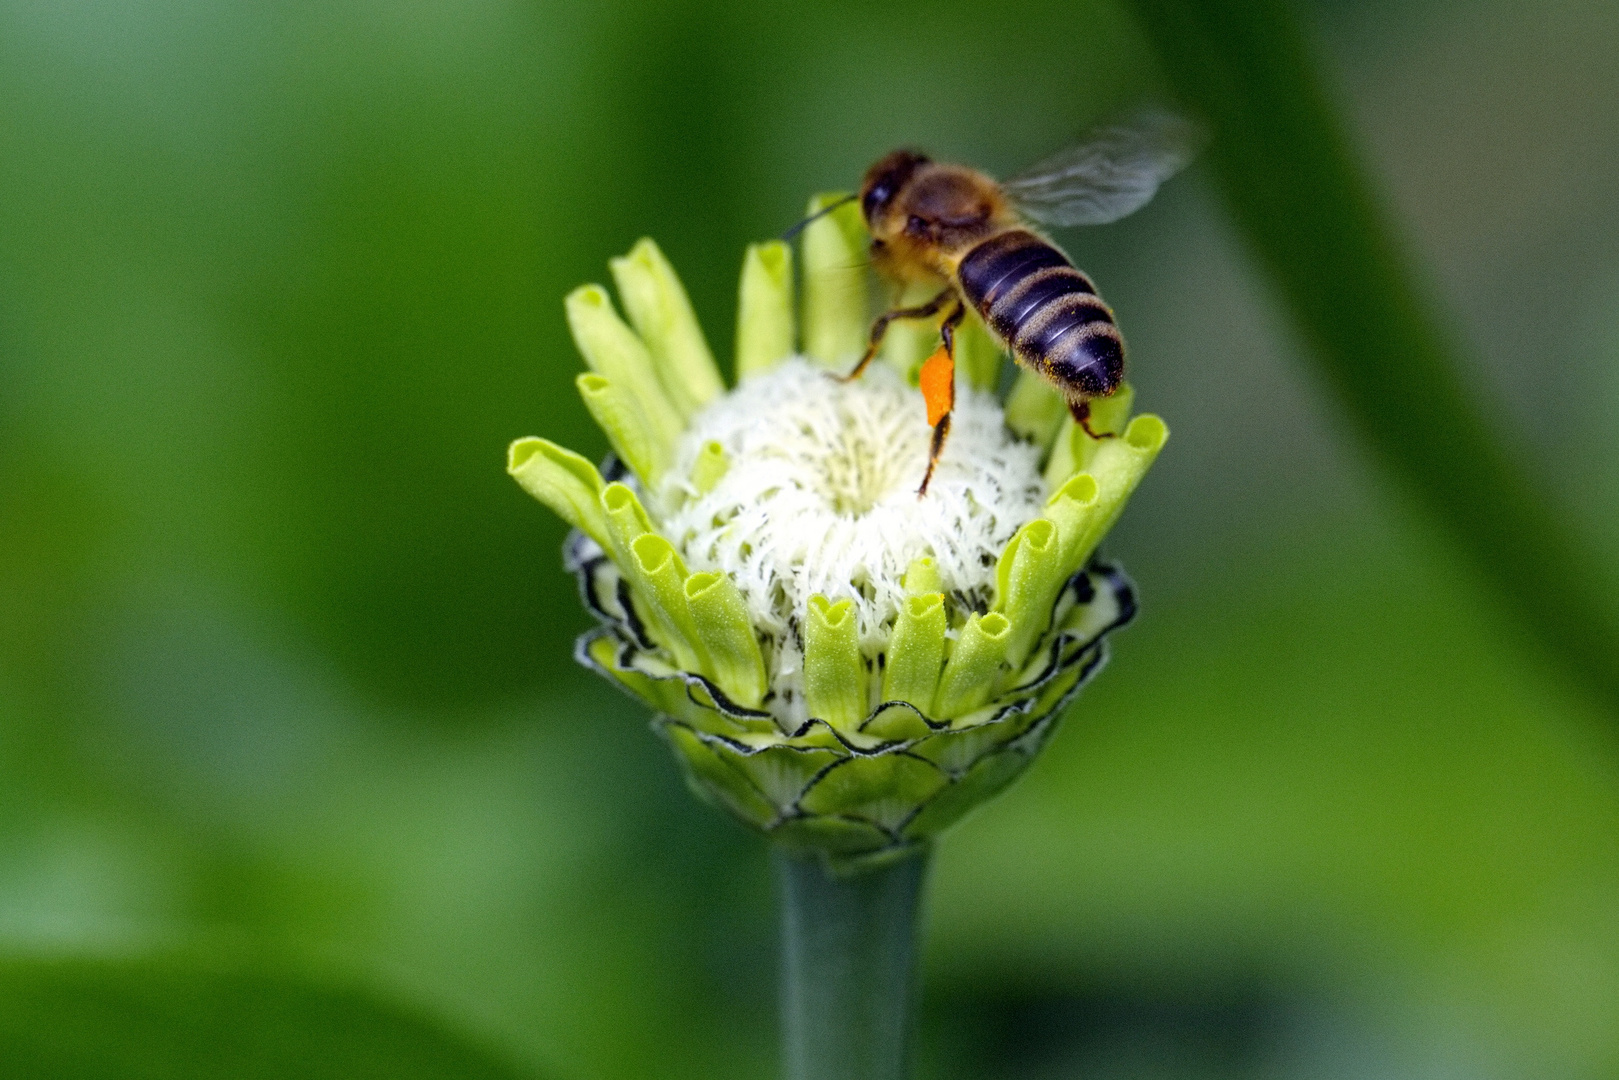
point(843, 665)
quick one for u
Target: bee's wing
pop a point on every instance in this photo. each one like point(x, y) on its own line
point(1109, 173)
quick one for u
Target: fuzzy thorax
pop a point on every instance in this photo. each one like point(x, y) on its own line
point(819, 497)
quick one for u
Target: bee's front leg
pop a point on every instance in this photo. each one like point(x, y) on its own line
point(880, 328)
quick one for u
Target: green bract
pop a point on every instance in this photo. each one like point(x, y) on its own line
point(844, 667)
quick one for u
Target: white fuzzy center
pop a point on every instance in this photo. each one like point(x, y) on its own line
point(820, 496)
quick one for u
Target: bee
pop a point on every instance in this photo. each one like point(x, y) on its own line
point(954, 227)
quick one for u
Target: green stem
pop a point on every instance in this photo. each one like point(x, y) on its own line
point(848, 975)
point(1290, 177)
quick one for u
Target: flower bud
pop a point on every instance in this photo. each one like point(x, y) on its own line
point(844, 666)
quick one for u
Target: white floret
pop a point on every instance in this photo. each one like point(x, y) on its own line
point(820, 497)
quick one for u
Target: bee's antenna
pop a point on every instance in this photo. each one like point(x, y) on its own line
point(822, 212)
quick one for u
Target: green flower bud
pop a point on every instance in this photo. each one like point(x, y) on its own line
point(911, 341)
point(978, 354)
point(922, 577)
point(627, 519)
point(854, 728)
point(1027, 578)
point(658, 576)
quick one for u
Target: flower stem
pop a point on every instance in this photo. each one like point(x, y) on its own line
point(848, 975)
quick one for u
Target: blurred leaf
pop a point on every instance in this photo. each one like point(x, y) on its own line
point(1289, 176)
point(170, 1019)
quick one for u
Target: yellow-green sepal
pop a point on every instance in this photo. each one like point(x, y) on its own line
point(974, 667)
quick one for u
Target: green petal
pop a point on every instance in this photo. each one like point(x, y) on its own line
point(1116, 467)
point(1034, 410)
point(614, 351)
point(661, 312)
point(922, 577)
point(658, 576)
point(664, 695)
point(713, 778)
point(562, 480)
point(764, 309)
point(1026, 582)
point(978, 354)
point(627, 520)
point(916, 652)
point(721, 619)
point(830, 836)
point(617, 413)
point(836, 312)
point(834, 674)
point(990, 775)
point(1074, 449)
point(975, 665)
point(711, 465)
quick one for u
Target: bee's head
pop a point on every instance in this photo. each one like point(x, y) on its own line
point(884, 181)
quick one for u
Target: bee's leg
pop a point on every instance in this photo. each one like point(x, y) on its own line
point(1081, 411)
point(938, 383)
point(880, 328)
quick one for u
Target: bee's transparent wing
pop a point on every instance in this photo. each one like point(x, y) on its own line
point(1109, 173)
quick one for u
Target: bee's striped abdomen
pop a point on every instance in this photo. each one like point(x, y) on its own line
point(1046, 311)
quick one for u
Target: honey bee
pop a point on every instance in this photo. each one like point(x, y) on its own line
point(955, 227)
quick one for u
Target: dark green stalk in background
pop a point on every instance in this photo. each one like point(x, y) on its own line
point(1284, 165)
point(848, 976)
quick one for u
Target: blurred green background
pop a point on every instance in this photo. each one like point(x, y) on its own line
point(291, 746)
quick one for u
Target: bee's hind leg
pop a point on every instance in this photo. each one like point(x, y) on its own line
point(938, 383)
point(879, 329)
point(1081, 412)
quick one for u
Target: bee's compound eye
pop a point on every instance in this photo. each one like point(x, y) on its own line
point(876, 199)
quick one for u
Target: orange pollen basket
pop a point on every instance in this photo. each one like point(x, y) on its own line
point(938, 383)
